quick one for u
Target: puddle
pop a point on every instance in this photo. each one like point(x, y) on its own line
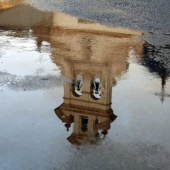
point(76, 94)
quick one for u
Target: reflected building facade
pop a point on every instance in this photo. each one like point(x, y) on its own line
point(91, 62)
point(6, 4)
point(91, 56)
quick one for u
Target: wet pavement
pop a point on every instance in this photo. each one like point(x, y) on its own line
point(75, 94)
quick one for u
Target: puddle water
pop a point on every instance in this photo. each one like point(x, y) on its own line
point(75, 94)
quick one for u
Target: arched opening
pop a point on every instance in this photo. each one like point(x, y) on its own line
point(77, 86)
point(96, 89)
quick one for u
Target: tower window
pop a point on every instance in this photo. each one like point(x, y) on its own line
point(84, 124)
point(96, 88)
point(77, 86)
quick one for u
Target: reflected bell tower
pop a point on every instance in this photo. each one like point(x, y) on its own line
point(91, 59)
point(87, 101)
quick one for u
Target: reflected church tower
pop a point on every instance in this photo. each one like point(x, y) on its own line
point(87, 101)
point(91, 55)
point(91, 62)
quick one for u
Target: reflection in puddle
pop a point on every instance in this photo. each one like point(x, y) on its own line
point(157, 60)
point(91, 55)
point(92, 62)
point(108, 79)
point(7, 4)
